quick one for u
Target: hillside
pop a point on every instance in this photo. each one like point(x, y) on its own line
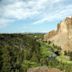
point(18, 50)
point(62, 37)
point(26, 52)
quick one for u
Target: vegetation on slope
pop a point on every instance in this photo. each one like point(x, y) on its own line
point(19, 52)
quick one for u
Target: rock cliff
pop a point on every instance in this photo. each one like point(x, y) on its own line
point(62, 36)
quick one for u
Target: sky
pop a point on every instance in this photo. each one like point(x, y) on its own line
point(19, 16)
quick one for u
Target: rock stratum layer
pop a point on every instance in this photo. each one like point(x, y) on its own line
point(62, 37)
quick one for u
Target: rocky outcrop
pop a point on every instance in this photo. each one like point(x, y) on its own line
point(62, 36)
point(65, 26)
point(43, 69)
point(50, 35)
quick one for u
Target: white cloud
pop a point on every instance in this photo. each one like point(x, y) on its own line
point(58, 14)
point(20, 9)
point(46, 10)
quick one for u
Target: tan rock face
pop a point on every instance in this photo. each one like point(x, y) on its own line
point(50, 34)
point(62, 36)
point(43, 69)
point(65, 26)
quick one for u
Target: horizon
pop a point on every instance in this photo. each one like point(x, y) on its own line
point(32, 16)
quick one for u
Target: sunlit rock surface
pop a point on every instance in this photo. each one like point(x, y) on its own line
point(43, 69)
point(62, 37)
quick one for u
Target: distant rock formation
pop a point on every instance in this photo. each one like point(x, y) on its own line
point(62, 37)
point(43, 69)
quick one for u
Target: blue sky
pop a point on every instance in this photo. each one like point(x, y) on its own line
point(32, 15)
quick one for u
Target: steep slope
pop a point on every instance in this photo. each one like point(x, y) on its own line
point(62, 36)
